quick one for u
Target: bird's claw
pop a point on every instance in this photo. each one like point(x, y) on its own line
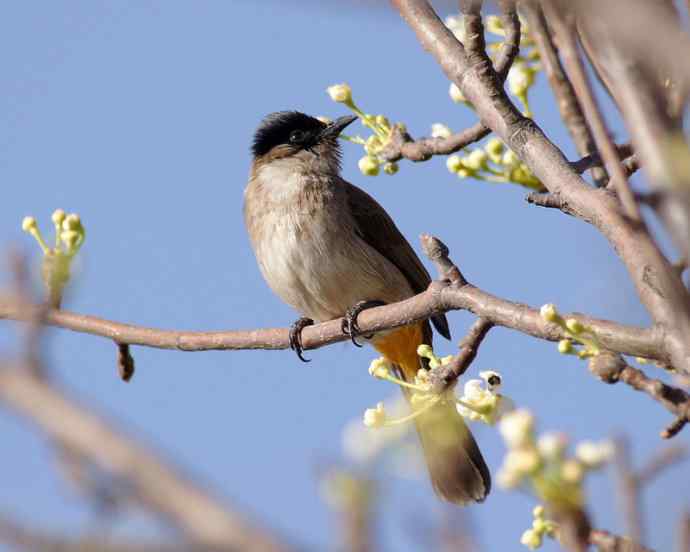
point(349, 324)
point(295, 336)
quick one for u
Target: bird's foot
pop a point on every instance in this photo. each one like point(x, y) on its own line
point(295, 336)
point(349, 323)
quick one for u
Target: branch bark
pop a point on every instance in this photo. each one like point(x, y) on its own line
point(659, 288)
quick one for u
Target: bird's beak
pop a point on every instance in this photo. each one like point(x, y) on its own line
point(334, 128)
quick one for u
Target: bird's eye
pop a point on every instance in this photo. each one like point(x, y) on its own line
point(297, 137)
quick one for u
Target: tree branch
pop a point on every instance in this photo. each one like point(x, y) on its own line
point(158, 486)
point(611, 368)
point(567, 102)
point(565, 34)
point(658, 286)
point(453, 293)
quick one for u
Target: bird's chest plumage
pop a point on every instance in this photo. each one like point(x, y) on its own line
point(304, 241)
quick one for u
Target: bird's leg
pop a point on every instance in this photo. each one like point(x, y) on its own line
point(349, 323)
point(295, 336)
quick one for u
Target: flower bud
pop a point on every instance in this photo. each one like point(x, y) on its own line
point(390, 168)
point(520, 79)
point(455, 94)
point(380, 368)
point(548, 312)
point(516, 427)
point(375, 417)
point(439, 130)
point(71, 222)
point(368, 165)
point(565, 346)
point(341, 93)
point(494, 148)
point(572, 471)
point(531, 539)
point(476, 160)
point(454, 163)
point(58, 217)
point(575, 326)
point(510, 159)
point(29, 224)
point(552, 445)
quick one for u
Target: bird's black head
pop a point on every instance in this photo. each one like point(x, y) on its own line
point(294, 130)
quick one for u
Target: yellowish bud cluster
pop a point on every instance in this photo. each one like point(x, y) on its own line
point(543, 466)
point(541, 527)
point(370, 164)
point(69, 237)
point(493, 163)
point(576, 332)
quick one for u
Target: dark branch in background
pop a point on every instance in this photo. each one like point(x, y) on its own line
point(631, 483)
point(22, 537)
point(656, 283)
point(156, 485)
point(608, 542)
point(649, 81)
point(611, 368)
point(567, 41)
point(567, 102)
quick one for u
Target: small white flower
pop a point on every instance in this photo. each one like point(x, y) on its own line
point(473, 391)
point(439, 130)
point(375, 417)
point(516, 427)
point(341, 93)
point(594, 455)
point(552, 445)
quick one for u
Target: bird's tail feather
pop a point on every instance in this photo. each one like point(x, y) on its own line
point(456, 466)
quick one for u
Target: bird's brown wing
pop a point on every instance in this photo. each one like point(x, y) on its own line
point(378, 230)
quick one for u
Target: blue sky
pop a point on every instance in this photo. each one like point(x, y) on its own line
point(139, 117)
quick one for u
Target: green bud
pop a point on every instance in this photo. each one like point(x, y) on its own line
point(368, 165)
point(454, 163)
point(476, 160)
point(565, 346)
point(390, 168)
point(574, 326)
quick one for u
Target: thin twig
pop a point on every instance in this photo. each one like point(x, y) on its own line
point(443, 377)
point(608, 542)
point(611, 368)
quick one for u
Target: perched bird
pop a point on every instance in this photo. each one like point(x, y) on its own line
point(329, 250)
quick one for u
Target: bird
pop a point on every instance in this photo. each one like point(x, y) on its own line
point(330, 250)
